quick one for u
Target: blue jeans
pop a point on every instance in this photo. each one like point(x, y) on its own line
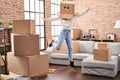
point(65, 35)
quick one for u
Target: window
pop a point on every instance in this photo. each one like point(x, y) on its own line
point(34, 9)
point(55, 8)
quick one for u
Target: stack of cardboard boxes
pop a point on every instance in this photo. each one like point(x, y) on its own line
point(25, 58)
point(103, 52)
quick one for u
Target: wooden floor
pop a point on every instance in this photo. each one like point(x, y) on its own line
point(69, 73)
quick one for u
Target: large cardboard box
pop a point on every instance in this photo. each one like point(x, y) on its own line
point(103, 45)
point(75, 34)
point(102, 54)
point(67, 9)
point(30, 66)
point(64, 49)
point(24, 26)
point(25, 45)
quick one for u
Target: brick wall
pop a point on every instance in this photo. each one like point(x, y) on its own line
point(102, 16)
point(10, 10)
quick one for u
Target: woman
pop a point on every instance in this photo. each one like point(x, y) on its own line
point(65, 34)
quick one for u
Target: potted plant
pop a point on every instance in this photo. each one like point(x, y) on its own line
point(10, 23)
point(0, 24)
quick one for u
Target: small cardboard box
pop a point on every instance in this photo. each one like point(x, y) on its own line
point(24, 26)
point(64, 49)
point(103, 45)
point(67, 9)
point(75, 34)
point(102, 54)
point(75, 47)
point(24, 44)
point(30, 66)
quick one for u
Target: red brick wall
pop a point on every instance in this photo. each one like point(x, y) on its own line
point(10, 10)
point(102, 16)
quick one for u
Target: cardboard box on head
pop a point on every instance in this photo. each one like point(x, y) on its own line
point(67, 9)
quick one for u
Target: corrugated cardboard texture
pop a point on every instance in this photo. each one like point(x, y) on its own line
point(102, 54)
point(25, 45)
point(103, 45)
point(30, 66)
point(24, 26)
point(75, 34)
point(67, 9)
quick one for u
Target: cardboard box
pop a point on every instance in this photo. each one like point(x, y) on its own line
point(25, 45)
point(75, 34)
point(75, 47)
point(24, 26)
point(103, 45)
point(67, 9)
point(102, 54)
point(30, 66)
point(64, 49)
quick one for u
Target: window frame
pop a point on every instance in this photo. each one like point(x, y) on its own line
point(36, 12)
point(55, 27)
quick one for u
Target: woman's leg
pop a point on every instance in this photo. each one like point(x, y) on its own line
point(68, 41)
point(61, 38)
